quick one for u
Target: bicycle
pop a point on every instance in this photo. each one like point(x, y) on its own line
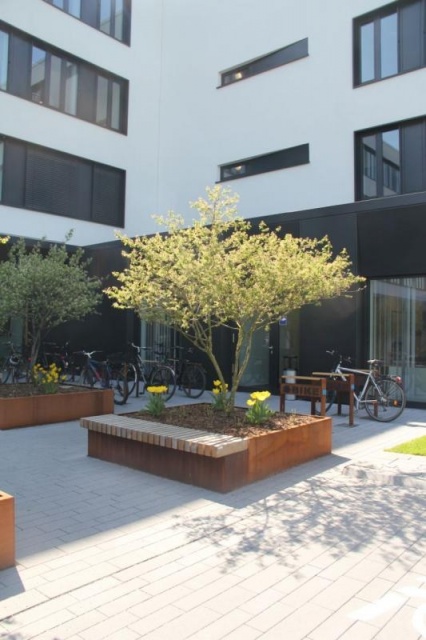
point(14, 368)
point(61, 357)
point(190, 376)
point(100, 373)
point(382, 396)
point(139, 372)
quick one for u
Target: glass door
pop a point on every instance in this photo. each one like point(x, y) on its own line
point(273, 351)
point(398, 330)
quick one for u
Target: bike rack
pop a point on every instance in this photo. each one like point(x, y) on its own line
point(346, 385)
point(314, 389)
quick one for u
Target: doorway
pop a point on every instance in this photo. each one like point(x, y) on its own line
point(273, 350)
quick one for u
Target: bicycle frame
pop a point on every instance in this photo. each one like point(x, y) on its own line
point(151, 372)
point(382, 396)
point(369, 379)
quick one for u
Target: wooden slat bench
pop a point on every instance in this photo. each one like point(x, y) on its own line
point(203, 443)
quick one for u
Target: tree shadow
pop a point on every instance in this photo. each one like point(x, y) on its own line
point(328, 514)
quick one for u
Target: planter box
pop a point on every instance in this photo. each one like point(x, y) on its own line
point(59, 407)
point(7, 531)
point(204, 459)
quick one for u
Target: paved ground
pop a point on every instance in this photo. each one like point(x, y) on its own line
point(332, 549)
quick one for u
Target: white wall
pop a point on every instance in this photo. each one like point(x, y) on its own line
point(182, 126)
point(308, 101)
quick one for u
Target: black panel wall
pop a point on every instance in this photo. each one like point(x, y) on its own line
point(335, 324)
point(392, 243)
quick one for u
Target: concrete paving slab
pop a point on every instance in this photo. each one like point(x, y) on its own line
point(334, 548)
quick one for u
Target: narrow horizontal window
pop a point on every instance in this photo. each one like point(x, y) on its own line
point(284, 159)
point(269, 61)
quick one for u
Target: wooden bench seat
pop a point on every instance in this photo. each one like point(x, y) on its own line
point(203, 443)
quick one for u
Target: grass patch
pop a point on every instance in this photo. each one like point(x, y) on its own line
point(415, 447)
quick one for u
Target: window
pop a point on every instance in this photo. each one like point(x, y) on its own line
point(272, 60)
point(46, 180)
point(109, 16)
point(398, 330)
point(283, 159)
point(53, 78)
point(4, 59)
point(389, 41)
point(390, 160)
point(108, 101)
point(73, 7)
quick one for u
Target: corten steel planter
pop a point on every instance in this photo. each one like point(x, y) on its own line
point(7, 531)
point(30, 411)
point(170, 452)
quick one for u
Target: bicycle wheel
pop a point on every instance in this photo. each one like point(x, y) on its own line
point(386, 401)
point(164, 376)
point(5, 372)
point(193, 381)
point(69, 375)
point(87, 378)
point(21, 373)
point(128, 371)
point(119, 385)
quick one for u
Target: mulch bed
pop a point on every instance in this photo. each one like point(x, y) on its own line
point(204, 417)
point(23, 390)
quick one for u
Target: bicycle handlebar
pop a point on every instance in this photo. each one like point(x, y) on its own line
point(88, 354)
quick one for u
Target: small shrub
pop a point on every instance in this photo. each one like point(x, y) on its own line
point(259, 411)
point(47, 379)
point(220, 396)
point(156, 403)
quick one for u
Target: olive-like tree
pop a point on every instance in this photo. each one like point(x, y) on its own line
point(220, 272)
point(46, 288)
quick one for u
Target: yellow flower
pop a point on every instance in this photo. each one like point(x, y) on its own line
point(260, 396)
point(216, 383)
point(251, 403)
point(157, 389)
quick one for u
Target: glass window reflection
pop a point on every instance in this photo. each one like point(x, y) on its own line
point(38, 74)
point(369, 161)
point(367, 52)
point(391, 162)
point(389, 46)
point(4, 59)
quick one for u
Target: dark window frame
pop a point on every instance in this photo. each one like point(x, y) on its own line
point(398, 8)
point(275, 161)
point(274, 59)
point(91, 15)
point(18, 182)
point(411, 177)
point(86, 113)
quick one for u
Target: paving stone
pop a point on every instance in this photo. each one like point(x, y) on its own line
point(316, 553)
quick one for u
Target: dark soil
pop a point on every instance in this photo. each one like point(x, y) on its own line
point(204, 417)
point(23, 390)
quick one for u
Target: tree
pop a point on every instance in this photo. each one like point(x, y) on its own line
point(46, 289)
point(220, 272)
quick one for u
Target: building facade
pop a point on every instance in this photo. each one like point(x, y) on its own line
point(113, 110)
